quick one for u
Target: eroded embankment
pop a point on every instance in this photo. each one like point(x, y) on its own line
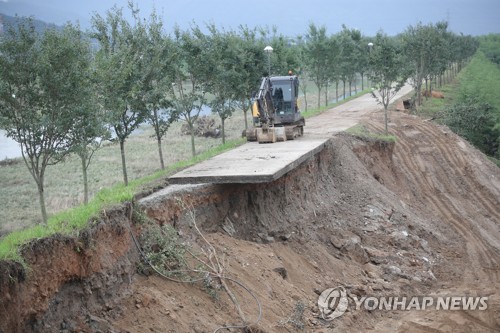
point(78, 282)
point(68, 278)
point(353, 215)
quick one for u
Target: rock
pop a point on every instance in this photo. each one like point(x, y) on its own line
point(355, 252)
point(269, 239)
point(337, 242)
point(281, 271)
point(286, 236)
point(393, 270)
point(265, 237)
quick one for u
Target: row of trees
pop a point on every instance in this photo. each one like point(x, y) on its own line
point(64, 91)
point(420, 55)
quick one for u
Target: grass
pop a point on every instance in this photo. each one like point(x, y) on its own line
point(75, 219)
point(19, 218)
point(480, 77)
point(432, 107)
point(361, 131)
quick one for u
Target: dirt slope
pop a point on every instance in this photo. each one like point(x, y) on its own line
point(418, 217)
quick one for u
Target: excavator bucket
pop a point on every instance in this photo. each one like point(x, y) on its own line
point(266, 135)
point(271, 135)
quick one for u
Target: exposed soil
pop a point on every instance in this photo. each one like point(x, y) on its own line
point(415, 217)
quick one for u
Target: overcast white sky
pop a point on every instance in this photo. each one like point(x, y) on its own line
point(292, 17)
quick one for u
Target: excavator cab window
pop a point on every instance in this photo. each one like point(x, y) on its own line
point(283, 96)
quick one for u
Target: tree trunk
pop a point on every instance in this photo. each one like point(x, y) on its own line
point(124, 165)
point(160, 152)
point(246, 120)
point(83, 158)
point(343, 84)
point(385, 120)
point(223, 130)
point(319, 96)
point(336, 91)
point(362, 81)
point(41, 197)
point(350, 88)
point(326, 95)
point(193, 150)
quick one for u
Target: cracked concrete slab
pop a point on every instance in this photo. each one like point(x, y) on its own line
point(251, 163)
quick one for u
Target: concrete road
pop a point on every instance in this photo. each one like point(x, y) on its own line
point(251, 163)
point(257, 163)
point(346, 115)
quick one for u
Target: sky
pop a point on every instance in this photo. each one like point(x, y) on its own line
point(292, 18)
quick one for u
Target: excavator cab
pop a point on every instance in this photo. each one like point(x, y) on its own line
point(285, 92)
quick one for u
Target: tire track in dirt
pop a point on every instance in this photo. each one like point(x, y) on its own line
point(480, 251)
point(437, 186)
point(459, 161)
point(409, 165)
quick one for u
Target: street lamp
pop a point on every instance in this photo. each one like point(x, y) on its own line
point(268, 49)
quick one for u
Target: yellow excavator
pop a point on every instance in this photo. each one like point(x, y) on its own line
point(275, 112)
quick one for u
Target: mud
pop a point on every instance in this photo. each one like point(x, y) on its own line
point(415, 217)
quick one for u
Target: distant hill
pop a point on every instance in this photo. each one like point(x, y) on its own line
point(6, 21)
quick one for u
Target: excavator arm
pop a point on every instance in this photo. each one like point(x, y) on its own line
point(263, 109)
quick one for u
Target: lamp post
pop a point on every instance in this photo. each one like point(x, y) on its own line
point(268, 49)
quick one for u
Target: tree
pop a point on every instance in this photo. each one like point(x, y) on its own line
point(41, 91)
point(364, 58)
point(349, 41)
point(189, 71)
point(418, 49)
point(251, 69)
point(90, 128)
point(120, 64)
point(388, 72)
point(158, 81)
point(317, 57)
point(284, 57)
point(224, 58)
